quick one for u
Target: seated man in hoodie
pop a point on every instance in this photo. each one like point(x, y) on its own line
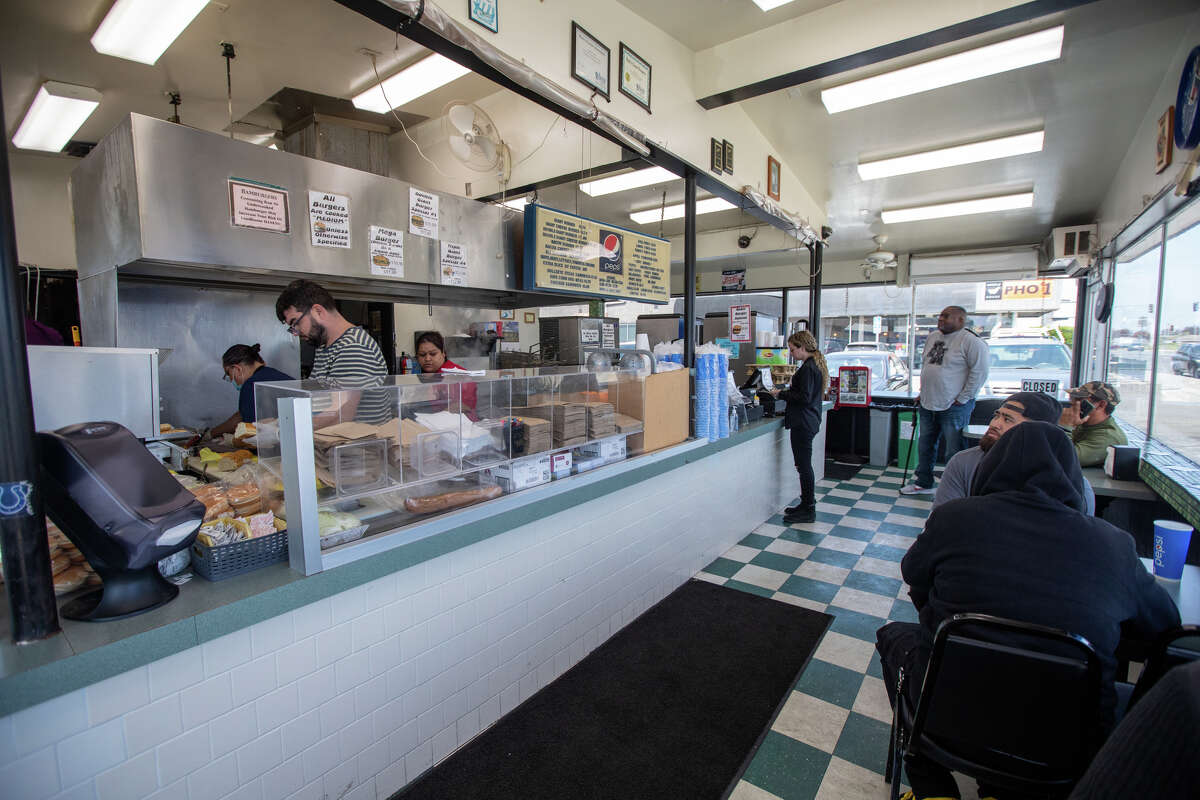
point(1043, 561)
point(1018, 408)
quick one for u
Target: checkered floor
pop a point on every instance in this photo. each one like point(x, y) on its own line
point(830, 740)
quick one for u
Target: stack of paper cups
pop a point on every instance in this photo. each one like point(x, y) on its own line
point(721, 396)
point(643, 341)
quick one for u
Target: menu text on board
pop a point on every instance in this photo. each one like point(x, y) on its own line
point(329, 219)
point(259, 206)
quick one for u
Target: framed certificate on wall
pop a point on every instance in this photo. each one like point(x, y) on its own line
point(589, 60)
point(634, 78)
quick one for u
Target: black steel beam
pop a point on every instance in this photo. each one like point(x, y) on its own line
point(815, 279)
point(913, 44)
point(1079, 335)
point(27, 574)
point(689, 270)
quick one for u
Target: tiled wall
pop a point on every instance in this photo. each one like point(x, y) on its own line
point(355, 695)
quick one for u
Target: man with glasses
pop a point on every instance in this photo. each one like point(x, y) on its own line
point(346, 355)
point(1020, 407)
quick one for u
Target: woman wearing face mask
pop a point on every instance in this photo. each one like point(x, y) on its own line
point(802, 418)
point(243, 368)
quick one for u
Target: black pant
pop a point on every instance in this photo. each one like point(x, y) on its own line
point(901, 645)
point(802, 452)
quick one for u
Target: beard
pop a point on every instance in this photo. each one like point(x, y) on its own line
point(987, 442)
point(316, 334)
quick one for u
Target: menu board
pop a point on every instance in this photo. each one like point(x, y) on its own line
point(258, 205)
point(329, 219)
point(577, 255)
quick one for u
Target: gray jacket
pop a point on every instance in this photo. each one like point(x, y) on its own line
point(953, 368)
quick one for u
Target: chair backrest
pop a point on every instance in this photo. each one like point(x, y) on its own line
point(984, 409)
point(1172, 648)
point(1009, 702)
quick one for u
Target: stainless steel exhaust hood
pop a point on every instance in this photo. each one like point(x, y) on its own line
point(152, 202)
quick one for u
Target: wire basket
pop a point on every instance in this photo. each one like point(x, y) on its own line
point(237, 558)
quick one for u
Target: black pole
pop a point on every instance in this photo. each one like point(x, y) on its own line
point(689, 269)
point(1080, 334)
point(23, 542)
point(814, 290)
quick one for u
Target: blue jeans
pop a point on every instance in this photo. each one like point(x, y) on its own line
point(936, 425)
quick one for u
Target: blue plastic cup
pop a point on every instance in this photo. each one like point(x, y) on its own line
point(1171, 541)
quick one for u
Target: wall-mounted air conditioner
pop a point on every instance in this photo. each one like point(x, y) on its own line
point(1070, 250)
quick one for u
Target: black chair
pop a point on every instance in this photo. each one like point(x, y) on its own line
point(984, 409)
point(1170, 649)
point(1011, 704)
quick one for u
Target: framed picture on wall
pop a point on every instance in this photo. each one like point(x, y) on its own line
point(485, 13)
point(729, 156)
point(589, 60)
point(1165, 146)
point(633, 78)
point(530, 317)
point(508, 313)
point(772, 178)
point(718, 155)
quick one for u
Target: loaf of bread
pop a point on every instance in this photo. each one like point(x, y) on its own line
point(69, 580)
point(444, 502)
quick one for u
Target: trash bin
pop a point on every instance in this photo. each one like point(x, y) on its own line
point(907, 433)
point(881, 436)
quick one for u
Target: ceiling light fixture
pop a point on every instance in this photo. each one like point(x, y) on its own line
point(767, 5)
point(960, 208)
point(1023, 51)
point(58, 110)
point(628, 180)
point(1003, 147)
point(142, 30)
point(410, 83)
point(706, 206)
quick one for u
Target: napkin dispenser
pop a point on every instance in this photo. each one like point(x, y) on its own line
point(1121, 462)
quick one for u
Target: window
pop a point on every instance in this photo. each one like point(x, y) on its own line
point(1177, 367)
point(1131, 328)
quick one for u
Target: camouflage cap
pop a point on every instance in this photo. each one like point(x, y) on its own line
point(1104, 391)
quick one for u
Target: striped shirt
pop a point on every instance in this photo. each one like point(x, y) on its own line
point(354, 361)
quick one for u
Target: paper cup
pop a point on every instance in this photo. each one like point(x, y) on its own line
point(1171, 541)
point(643, 341)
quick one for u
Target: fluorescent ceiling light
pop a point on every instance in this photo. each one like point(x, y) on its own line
point(516, 205)
point(767, 5)
point(410, 83)
point(706, 206)
point(629, 180)
point(1022, 51)
point(953, 156)
point(142, 30)
point(57, 112)
point(984, 205)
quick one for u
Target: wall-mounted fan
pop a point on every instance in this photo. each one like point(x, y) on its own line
point(475, 141)
point(878, 259)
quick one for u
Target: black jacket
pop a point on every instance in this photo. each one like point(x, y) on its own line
point(1021, 548)
point(804, 398)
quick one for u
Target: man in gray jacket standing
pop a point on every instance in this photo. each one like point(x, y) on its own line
point(954, 367)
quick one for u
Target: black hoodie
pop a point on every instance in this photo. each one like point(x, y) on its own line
point(1020, 547)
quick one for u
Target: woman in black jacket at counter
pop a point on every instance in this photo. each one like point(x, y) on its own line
point(803, 418)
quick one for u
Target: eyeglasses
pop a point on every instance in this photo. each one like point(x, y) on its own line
point(291, 328)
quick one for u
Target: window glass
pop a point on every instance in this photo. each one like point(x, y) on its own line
point(1177, 383)
point(1131, 328)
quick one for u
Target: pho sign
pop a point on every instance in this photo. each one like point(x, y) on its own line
point(1040, 295)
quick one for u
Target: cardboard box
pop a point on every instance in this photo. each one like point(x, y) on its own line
point(523, 473)
point(661, 402)
point(560, 464)
point(607, 450)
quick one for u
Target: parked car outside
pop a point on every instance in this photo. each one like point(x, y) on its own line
point(888, 372)
point(1186, 360)
point(1029, 364)
point(871, 346)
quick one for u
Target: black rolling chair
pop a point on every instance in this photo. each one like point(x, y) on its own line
point(1171, 649)
point(985, 407)
point(1009, 703)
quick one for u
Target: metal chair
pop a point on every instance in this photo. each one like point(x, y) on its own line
point(1009, 703)
point(985, 407)
point(1172, 648)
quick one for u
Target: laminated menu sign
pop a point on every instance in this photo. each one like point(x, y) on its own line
point(454, 264)
point(329, 219)
point(423, 214)
point(568, 253)
point(386, 246)
point(260, 206)
point(739, 323)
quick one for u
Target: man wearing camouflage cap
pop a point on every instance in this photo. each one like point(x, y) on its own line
point(1090, 418)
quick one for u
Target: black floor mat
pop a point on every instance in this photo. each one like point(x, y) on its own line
point(835, 471)
point(671, 706)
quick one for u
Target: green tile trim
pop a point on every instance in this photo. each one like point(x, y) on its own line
point(66, 671)
point(1179, 498)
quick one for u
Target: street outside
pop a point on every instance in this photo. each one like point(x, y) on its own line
point(1176, 417)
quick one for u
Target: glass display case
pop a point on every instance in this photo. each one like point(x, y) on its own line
point(367, 461)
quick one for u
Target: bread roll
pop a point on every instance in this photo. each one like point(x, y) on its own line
point(69, 580)
point(59, 564)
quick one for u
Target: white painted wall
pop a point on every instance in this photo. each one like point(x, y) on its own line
point(539, 34)
point(358, 694)
point(42, 209)
point(1136, 182)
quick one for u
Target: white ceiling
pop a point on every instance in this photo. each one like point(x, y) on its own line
point(1090, 101)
